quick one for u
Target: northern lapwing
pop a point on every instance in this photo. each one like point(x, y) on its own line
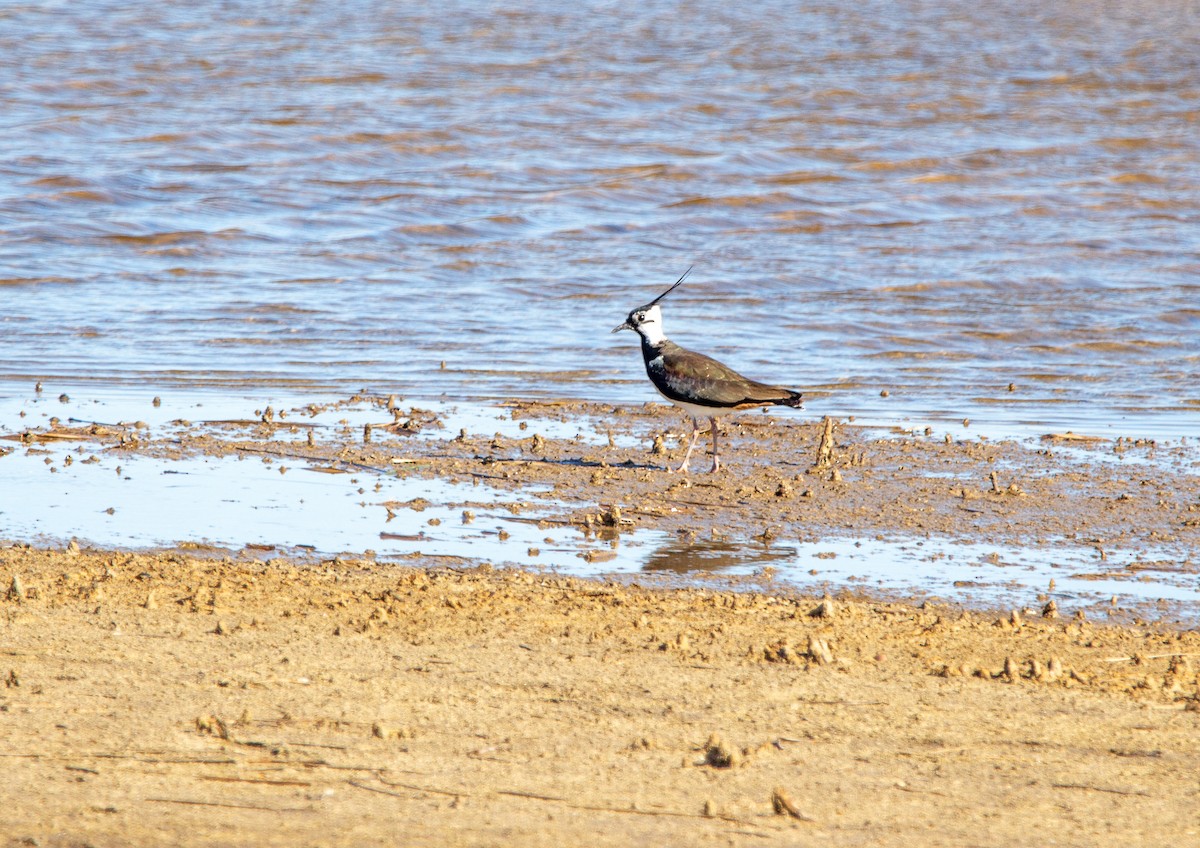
point(697, 384)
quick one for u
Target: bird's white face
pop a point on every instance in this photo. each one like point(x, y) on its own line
point(647, 321)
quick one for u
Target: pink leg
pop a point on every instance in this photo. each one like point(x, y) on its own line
point(716, 460)
point(691, 446)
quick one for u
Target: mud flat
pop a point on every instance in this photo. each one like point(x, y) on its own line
point(1108, 525)
point(212, 696)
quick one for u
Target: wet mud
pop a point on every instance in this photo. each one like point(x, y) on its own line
point(1116, 511)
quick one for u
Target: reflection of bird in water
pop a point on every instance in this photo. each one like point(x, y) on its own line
point(681, 557)
point(697, 384)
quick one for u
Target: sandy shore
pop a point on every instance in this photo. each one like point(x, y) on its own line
point(165, 699)
point(216, 697)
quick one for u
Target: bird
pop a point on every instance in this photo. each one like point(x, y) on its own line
point(697, 384)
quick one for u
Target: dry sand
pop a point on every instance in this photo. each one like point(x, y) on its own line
point(215, 699)
point(162, 699)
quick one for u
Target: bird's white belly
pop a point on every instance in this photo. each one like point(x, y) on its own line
point(697, 411)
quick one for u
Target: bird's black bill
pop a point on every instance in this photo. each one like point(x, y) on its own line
point(624, 326)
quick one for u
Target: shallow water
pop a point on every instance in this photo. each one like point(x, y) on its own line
point(267, 503)
point(265, 507)
point(460, 200)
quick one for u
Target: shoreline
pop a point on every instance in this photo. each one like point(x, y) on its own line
point(582, 487)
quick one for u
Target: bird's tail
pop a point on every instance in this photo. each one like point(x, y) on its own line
point(794, 400)
point(761, 394)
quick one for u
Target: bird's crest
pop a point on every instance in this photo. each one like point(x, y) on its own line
point(672, 288)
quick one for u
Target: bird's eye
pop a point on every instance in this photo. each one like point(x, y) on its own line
point(641, 316)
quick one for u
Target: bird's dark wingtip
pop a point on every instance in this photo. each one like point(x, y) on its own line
point(795, 400)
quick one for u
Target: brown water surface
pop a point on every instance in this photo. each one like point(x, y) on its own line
point(939, 200)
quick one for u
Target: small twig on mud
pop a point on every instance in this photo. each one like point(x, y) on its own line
point(783, 805)
point(532, 795)
point(414, 788)
point(937, 752)
point(921, 791)
point(314, 745)
point(1100, 789)
point(358, 785)
point(261, 780)
point(192, 803)
point(320, 764)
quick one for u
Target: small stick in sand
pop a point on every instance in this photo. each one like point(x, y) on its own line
point(784, 806)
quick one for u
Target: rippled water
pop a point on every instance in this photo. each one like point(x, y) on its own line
point(936, 199)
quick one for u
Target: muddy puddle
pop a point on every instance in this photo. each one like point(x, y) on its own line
point(260, 499)
point(1090, 523)
point(268, 508)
